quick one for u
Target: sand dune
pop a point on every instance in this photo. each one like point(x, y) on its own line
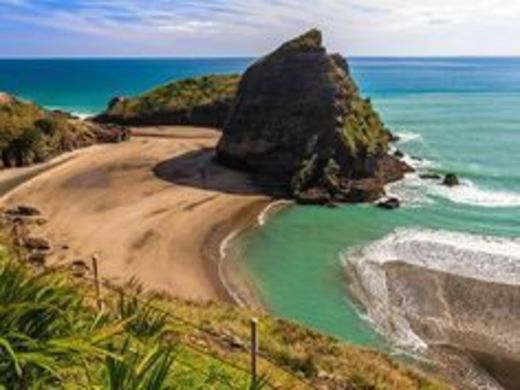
point(154, 208)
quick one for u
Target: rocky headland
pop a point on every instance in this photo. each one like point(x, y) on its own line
point(202, 101)
point(299, 117)
point(30, 134)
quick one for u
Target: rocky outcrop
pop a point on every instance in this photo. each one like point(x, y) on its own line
point(203, 101)
point(30, 134)
point(451, 180)
point(299, 117)
point(389, 203)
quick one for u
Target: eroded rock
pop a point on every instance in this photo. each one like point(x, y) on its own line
point(299, 117)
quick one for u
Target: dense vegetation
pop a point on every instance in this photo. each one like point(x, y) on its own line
point(53, 336)
point(30, 134)
point(203, 101)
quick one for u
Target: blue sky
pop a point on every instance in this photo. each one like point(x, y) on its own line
point(36, 28)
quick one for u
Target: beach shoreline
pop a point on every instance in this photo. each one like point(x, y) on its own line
point(233, 271)
point(142, 207)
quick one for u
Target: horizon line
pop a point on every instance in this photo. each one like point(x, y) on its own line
point(245, 57)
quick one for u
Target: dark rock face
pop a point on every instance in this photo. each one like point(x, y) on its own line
point(451, 180)
point(398, 154)
point(298, 116)
point(389, 204)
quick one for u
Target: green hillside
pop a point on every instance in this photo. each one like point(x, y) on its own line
point(30, 134)
point(53, 336)
point(201, 101)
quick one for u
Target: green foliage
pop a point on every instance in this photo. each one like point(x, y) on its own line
point(363, 132)
point(141, 320)
point(45, 330)
point(138, 369)
point(179, 95)
point(51, 336)
point(29, 134)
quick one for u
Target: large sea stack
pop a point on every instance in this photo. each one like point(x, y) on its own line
point(299, 117)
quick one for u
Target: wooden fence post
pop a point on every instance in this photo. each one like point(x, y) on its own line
point(254, 351)
point(95, 268)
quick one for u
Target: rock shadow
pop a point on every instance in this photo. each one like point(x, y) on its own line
point(201, 169)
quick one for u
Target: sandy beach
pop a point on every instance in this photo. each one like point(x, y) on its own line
point(155, 208)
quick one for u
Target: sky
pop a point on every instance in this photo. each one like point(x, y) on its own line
point(198, 28)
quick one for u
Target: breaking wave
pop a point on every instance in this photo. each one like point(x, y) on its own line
point(478, 257)
point(470, 194)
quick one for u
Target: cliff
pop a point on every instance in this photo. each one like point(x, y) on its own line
point(298, 116)
point(30, 134)
point(203, 101)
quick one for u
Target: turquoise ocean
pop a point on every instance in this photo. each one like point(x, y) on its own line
point(456, 114)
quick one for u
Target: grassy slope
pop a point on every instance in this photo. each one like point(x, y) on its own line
point(177, 96)
point(30, 134)
point(51, 335)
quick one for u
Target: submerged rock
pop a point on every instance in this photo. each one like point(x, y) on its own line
point(299, 117)
point(451, 180)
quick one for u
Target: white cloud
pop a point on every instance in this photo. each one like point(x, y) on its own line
point(385, 27)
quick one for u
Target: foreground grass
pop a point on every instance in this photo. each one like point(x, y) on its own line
point(52, 336)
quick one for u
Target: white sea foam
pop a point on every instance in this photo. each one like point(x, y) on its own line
point(478, 257)
point(414, 191)
point(470, 194)
point(82, 115)
point(266, 212)
point(407, 136)
point(224, 248)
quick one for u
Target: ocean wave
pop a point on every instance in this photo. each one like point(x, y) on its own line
point(82, 115)
point(414, 191)
point(470, 194)
point(407, 136)
point(479, 257)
